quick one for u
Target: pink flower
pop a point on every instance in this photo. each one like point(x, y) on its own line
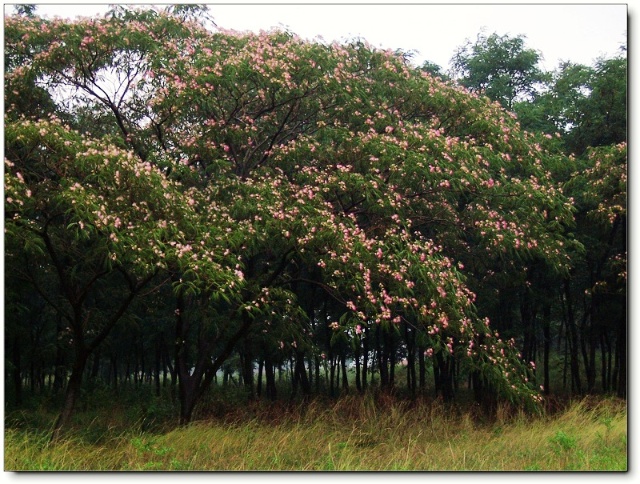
point(358, 329)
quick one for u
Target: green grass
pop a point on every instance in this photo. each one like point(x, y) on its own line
point(351, 433)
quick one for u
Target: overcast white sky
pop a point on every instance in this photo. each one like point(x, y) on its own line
point(576, 32)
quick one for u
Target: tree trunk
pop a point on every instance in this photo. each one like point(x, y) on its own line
point(95, 367)
point(444, 376)
point(259, 386)
point(546, 331)
point(188, 399)
point(302, 373)
point(158, 363)
point(17, 376)
point(317, 379)
point(383, 358)
point(422, 365)
point(72, 393)
point(621, 357)
point(410, 338)
point(270, 376)
point(357, 349)
point(365, 358)
point(332, 374)
point(343, 364)
point(527, 314)
point(605, 361)
point(390, 350)
point(573, 340)
point(59, 379)
point(247, 370)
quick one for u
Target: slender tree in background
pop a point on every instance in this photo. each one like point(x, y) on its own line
point(500, 67)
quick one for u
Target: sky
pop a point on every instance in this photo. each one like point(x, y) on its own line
point(560, 32)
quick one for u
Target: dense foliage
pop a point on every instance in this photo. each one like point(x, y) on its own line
point(198, 197)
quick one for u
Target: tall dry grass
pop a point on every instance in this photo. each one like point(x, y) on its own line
point(352, 433)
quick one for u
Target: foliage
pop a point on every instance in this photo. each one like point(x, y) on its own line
point(587, 105)
point(500, 67)
point(271, 190)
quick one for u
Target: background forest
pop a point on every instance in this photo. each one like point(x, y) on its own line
point(190, 210)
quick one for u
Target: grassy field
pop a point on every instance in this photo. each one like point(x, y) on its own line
point(352, 433)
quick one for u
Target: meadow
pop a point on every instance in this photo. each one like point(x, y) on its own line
point(352, 433)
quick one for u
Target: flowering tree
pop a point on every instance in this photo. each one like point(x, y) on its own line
point(90, 226)
point(246, 168)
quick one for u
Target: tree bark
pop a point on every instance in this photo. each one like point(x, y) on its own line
point(17, 369)
point(621, 357)
point(72, 393)
point(365, 358)
point(573, 340)
point(546, 331)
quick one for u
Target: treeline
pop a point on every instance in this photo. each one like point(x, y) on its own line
point(181, 204)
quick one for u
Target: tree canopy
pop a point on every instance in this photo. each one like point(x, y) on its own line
point(276, 190)
point(500, 66)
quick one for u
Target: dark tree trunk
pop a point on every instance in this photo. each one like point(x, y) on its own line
point(317, 379)
point(621, 358)
point(17, 369)
point(95, 367)
point(259, 386)
point(247, 370)
point(270, 376)
point(332, 374)
point(158, 364)
point(586, 338)
point(383, 358)
point(410, 339)
point(59, 379)
point(114, 366)
point(72, 393)
point(593, 344)
point(301, 369)
point(357, 349)
point(390, 349)
point(604, 360)
point(444, 376)
point(422, 365)
point(187, 395)
point(166, 362)
point(365, 358)
point(572, 332)
point(546, 331)
point(142, 370)
point(528, 317)
point(343, 364)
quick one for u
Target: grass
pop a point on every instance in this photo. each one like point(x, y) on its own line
point(351, 433)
